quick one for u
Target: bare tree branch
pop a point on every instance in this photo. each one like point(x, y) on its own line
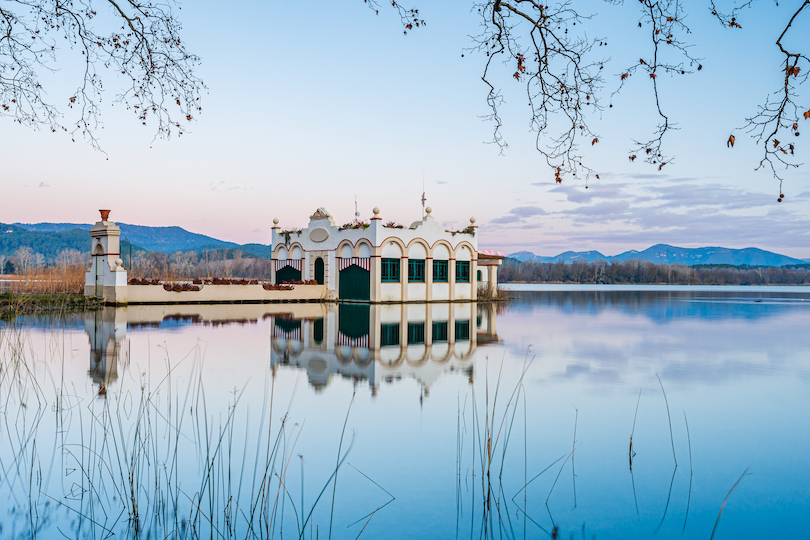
point(146, 50)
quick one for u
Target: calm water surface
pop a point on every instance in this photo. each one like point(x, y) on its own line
point(231, 421)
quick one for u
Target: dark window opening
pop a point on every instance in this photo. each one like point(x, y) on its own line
point(317, 330)
point(319, 271)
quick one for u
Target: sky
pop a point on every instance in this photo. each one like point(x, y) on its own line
point(313, 104)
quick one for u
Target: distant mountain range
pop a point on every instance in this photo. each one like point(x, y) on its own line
point(165, 239)
point(666, 254)
point(51, 238)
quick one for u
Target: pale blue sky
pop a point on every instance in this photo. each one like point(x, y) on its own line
point(310, 104)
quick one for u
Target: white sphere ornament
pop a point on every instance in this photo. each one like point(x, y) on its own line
point(275, 221)
point(376, 211)
point(119, 262)
point(428, 210)
point(472, 220)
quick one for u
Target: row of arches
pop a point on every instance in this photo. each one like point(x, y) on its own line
point(392, 248)
point(390, 357)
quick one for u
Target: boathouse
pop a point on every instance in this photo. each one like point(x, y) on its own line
point(375, 261)
point(361, 262)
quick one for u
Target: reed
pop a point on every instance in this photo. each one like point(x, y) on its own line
point(669, 418)
point(60, 279)
point(126, 454)
point(633, 431)
point(725, 500)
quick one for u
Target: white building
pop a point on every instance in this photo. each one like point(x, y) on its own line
point(377, 262)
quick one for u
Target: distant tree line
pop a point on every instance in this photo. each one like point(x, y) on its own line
point(180, 265)
point(25, 260)
point(644, 272)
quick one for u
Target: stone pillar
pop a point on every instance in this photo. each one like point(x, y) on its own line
point(451, 276)
point(474, 278)
point(107, 277)
point(403, 278)
point(428, 279)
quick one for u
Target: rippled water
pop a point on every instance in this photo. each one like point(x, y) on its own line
point(228, 421)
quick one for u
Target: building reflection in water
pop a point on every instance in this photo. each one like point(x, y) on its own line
point(383, 343)
point(107, 331)
point(378, 344)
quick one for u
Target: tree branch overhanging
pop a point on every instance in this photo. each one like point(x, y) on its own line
point(139, 41)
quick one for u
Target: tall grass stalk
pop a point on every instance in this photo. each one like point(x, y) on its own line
point(126, 459)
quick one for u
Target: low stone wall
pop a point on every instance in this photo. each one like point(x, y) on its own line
point(224, 294)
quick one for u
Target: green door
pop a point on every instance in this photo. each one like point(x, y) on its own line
point(355, 284)
point(354, 321)
point(287, 274)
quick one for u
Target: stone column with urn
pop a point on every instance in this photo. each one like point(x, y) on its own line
point(107, 277)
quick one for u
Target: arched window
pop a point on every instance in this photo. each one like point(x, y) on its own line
point(480, 276)
point(319, 271)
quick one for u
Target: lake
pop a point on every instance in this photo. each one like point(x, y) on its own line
point(400, 421)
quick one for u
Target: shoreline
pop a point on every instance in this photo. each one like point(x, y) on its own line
point(16, 304)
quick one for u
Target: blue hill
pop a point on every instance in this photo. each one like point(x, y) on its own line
point(165, 239)
point(666, 254)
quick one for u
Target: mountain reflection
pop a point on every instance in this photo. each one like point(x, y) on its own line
point(664, 306)
point(377, 344)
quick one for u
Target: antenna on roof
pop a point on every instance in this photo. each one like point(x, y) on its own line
point(356, 212)
point(423, 194)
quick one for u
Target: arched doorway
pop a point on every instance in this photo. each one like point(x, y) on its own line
point(287, 274)
point(355, 284)
point(99, 256)
point(319, 271)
